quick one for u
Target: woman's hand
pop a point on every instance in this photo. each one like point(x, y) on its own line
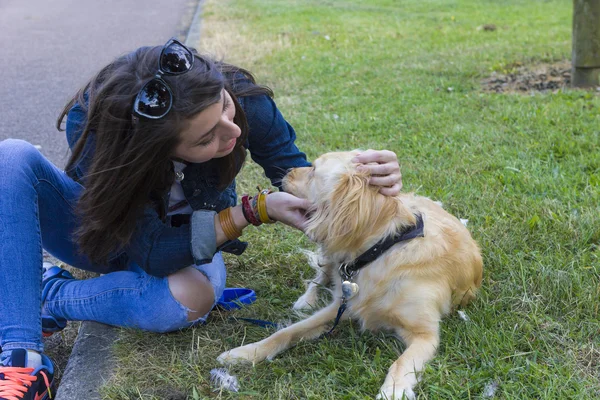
point(384, 168)
point(287, 208)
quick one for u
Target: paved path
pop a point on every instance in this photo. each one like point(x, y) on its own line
point(49, 48)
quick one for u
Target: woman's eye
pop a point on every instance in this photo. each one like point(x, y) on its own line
point(212, 139)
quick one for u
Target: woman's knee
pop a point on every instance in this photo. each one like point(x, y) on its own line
point(162, 306)
point(192, 289)
point(16, 154)
point(17, 150)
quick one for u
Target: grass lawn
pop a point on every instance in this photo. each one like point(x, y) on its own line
point(523, 169)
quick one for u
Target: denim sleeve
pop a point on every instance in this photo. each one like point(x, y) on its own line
point(271, 139)
point(161, 249)
point(76, 119)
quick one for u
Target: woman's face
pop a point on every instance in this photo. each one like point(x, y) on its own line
point(210, 134)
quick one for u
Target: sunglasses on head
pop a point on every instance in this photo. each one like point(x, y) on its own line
point(155, 99)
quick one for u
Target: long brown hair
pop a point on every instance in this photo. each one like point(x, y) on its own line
point(131, 165)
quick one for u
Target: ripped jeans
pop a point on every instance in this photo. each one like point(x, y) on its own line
point(37, 203)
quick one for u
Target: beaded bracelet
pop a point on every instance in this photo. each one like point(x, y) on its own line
point(254, 205)
point(248, 211)
point(229, 229)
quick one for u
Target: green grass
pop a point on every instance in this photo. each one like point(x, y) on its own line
point(524, 169)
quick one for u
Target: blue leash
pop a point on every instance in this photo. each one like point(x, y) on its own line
point(258, 322)
point(337, 317)
point(269, 324)
point(236, 298)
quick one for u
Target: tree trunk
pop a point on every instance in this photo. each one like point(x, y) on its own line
point(586, 43)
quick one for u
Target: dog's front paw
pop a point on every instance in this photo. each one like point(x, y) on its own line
point(395, 392)
point(244, 354)
point(305, 302)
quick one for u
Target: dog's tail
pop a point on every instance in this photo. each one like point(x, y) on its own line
point(464, 296)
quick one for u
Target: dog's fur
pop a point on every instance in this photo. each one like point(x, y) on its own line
point(407, 289)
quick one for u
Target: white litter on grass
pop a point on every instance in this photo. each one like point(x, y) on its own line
point(489, 390)
point(221, 379)
point(327, 37)
point(463, 315)
point(464, 221)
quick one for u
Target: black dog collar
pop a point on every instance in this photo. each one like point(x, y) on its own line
point(349, 270)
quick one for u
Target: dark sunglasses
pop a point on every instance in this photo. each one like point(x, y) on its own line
point(155, 99)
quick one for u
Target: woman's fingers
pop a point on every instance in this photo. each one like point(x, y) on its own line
point(388, 180)
point(381, 169)
point(375, 156)
point(391, 191)
point(288, 209)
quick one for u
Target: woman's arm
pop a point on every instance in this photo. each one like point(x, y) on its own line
point(271, 140)
point(76, 119)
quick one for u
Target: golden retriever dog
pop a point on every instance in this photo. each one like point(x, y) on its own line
point(407, 288)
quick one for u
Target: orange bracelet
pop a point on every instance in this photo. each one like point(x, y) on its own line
point(234, 230)
point(229, 229)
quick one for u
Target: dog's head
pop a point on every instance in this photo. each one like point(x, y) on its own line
point(348, 212)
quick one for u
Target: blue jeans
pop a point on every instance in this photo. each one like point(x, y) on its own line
point(37, 203)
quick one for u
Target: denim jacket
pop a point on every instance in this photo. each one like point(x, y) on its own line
point(162, 249)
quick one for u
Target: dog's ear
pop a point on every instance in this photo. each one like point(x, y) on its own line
point(354, 211)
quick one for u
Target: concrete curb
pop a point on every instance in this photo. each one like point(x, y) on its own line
point(91, 361)
point(90, 364)
point(193, 33)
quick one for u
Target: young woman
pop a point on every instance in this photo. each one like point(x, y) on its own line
point(147, 199)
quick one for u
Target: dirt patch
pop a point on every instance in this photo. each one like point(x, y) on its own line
point(521, 78)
